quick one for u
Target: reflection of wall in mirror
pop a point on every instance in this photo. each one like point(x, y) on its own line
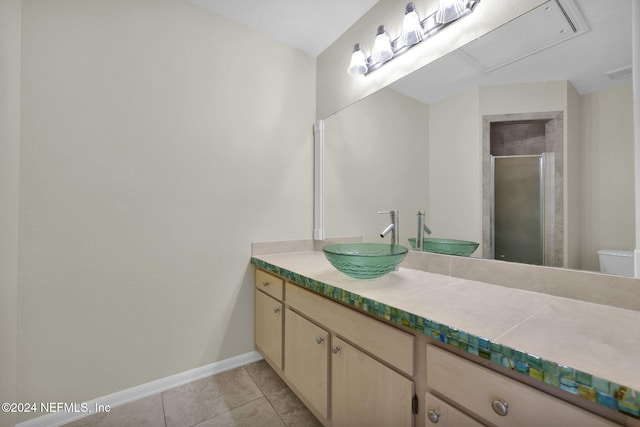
point(375, 160)
point(608, 173)
point(391, 152)
point(598, 162)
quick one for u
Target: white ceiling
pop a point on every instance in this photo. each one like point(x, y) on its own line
point(309, 25)
point(585, 59)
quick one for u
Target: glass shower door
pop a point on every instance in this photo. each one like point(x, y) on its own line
point(518, 197)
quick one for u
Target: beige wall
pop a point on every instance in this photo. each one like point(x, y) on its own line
point(524, 98)
point(9, 170)
point(455, 150)
point(376, 159)
point(455, 168)
point(573, 182)
point(158, 141)
point(608, 179)
point(337, 89)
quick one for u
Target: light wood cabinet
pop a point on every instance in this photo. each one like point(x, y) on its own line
point(365, 392)
point(385, 342)
point(439, 412)
point(268, 327)
point(306, 355)
point(352, 369)
point(498, 399)
point(366, 381)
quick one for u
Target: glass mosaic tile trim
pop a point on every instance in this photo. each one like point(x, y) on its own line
point(606, 393)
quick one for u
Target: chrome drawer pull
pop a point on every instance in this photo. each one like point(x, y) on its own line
point(433, 415)
point(335, 349)
point(319, 339)
point(276, 310)
point(265, 284)
point(500, 407)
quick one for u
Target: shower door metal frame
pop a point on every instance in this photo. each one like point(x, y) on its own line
point(541, 174)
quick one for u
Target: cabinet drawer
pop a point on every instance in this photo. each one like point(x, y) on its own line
point(445, 415)
point(386, 342)
point(269, 284)
point(477, 388)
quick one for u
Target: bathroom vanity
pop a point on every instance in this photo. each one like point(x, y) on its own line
point(365, 358)
point(419, 348)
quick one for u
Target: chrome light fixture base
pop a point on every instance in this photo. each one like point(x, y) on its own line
point(430, 27)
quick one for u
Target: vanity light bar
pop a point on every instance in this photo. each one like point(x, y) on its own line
point(431, 25)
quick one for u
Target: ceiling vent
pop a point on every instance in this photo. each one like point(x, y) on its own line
point(547, 25)
point(620, 73)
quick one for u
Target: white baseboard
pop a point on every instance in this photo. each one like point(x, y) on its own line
point(144, 390)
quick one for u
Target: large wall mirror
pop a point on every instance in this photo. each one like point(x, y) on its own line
point(554, 86)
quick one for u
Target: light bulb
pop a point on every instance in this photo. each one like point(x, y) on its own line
point(450, 10)
point(411, 27)
point(358, 64)
point(382, 51)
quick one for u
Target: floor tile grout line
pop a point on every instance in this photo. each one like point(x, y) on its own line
point(164, 413)
point(276, 410)
point(262, 395)
point(232, 409)
point(254, 380)
point(266, 396)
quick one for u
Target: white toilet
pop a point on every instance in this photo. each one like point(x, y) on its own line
point(616, 261)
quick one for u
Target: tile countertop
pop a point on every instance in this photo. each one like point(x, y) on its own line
point(587, 349)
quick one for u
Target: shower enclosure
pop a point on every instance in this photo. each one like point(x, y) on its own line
point(518, 207)
point(523, 188)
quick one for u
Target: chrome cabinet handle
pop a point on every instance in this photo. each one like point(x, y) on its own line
point(433, 415)
point(500, 407)
point(276, 310)
point(335, 349)
point(319, 339)
point(265, 284)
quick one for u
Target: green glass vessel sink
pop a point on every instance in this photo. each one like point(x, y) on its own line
point(365, 260)
point(446, 246)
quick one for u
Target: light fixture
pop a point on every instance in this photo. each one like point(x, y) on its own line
point(413, 32)
point(411, 27)
point(358, 64)
point(382, 50)
point(450, 10)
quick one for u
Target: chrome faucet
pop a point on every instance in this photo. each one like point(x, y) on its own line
point(422, 227)
point(393, 227)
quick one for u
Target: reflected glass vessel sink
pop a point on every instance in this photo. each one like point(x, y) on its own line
point(446, 246)
point(365, 260)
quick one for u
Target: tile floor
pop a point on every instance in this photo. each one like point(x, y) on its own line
point(252, 395)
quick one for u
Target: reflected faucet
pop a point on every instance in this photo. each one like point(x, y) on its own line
point(393, 227)
point(422, 227)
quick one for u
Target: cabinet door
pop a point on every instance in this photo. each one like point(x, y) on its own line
point(268, 328)
point(365, 392)
point(306, 359)
point(445, 415)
